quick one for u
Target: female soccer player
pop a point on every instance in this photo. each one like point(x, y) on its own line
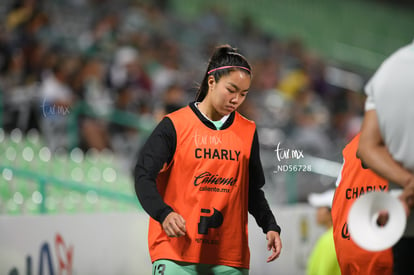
point(199, 174)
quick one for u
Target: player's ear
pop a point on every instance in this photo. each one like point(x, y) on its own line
point(211, 82)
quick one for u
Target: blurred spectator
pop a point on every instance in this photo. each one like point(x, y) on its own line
point(98, 104)
point(309, 110)
point(35, 55)
point(266, 75)
point(5, 50)
point(322, 260)
point(126, 101)
point(294, 54)
point(293, 82)
point(56, 100)
point(55, 88)
point(14, 70)
point(168, 71)
point(102, 37)
point(346, 111)
point(19, 13)
point(126, 69)
point(310, 121)
point(19, 93)
point(315, 67)
point(174, 98)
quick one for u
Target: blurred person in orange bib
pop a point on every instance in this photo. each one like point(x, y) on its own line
point(354, 181)
point(387, 139)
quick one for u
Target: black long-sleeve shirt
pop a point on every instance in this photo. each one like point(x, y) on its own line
point(159, 150)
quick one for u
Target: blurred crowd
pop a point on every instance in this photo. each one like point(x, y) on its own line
point(141, 57)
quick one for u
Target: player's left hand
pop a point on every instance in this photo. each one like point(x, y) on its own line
point(274, 244)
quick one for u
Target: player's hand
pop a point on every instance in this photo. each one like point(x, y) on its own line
point(409, 192)
point(407, 196)
point(174, 225)
point(274, 244)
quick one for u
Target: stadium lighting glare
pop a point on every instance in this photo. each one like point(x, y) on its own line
point(7, 174)
point(94, 174)
point(28, 154)
point(91, 196)
point(45, 154)
point(109, 174)
point(16, 135)
point(2, 135)
point(76, 155)
point(77, 174)
point(33, 136)
point(37, 197)
point(18, 198)
point(92, 155)
point(11, 154)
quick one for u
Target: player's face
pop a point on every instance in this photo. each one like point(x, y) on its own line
point(229, 92)
point(323, 215)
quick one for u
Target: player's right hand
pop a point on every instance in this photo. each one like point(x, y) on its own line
point(174, 225)
point(407, 196)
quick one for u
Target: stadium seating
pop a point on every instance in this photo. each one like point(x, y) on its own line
point(34, 180)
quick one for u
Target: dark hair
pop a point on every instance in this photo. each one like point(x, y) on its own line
point(223, 56)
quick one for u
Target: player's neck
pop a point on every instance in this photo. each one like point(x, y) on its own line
point(208, 111)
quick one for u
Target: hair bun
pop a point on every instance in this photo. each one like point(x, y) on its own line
point(223, 50)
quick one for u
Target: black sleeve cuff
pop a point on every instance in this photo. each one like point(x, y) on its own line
point(273, 227)
point(164, 213)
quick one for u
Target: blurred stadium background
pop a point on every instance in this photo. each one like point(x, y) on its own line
point(83, 83)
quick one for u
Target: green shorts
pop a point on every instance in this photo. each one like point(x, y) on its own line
point(169, 267)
